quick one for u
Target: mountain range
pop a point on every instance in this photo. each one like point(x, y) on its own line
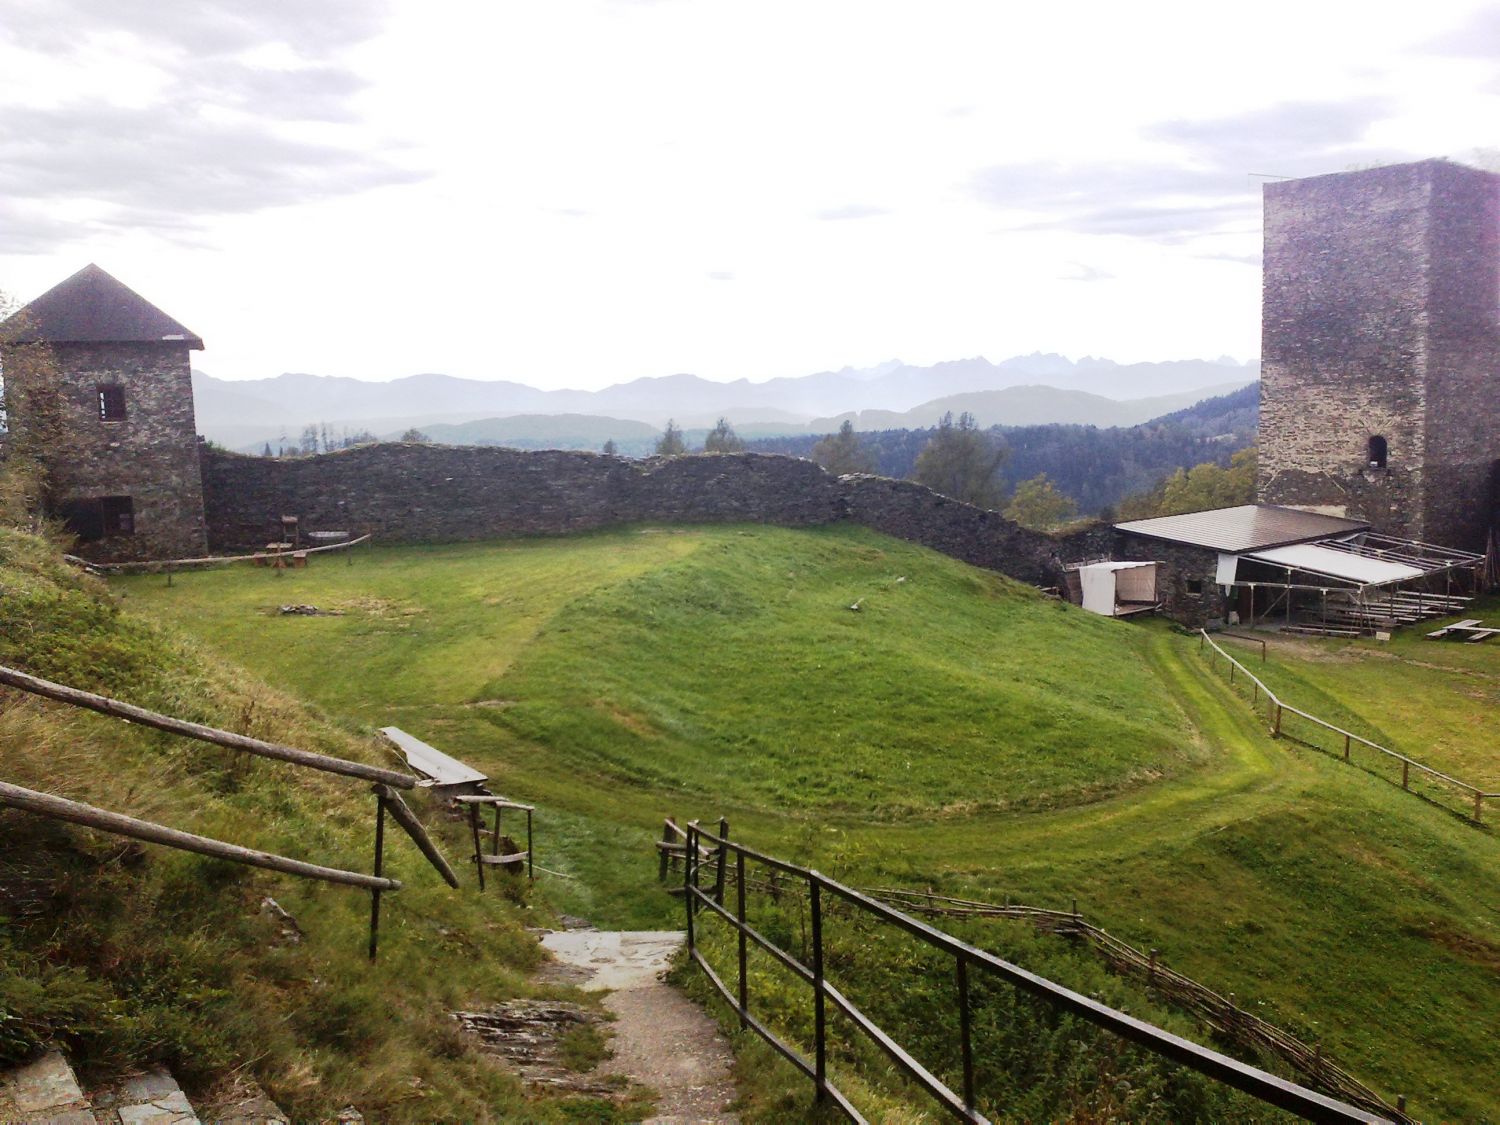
point(1022, 390)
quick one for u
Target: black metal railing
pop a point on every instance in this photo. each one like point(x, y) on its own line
point(700, 848)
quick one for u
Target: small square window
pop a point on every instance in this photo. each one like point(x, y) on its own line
point(112, 403)
point(1195, 587)
point(119, 515)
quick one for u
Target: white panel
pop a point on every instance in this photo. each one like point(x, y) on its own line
point(1228, 564)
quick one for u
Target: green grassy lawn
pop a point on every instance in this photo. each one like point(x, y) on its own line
point(957, 731)
point(1435, 701)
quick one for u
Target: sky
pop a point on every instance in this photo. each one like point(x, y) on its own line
point(573, 193)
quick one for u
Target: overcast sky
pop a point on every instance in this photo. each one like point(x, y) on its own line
point(575, 193)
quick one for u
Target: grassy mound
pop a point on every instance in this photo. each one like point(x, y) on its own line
point(956, 732)
point(127, 954)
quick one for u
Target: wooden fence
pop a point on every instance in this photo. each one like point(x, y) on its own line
point(698, 849)
point(385, 784)
point(1216, 1011)
point(1278, 709)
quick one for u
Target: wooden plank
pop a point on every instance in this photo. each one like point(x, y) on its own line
point(503, 860)
point(133, 714)
point(431, 762)
point(75, 812)
point(486, 799)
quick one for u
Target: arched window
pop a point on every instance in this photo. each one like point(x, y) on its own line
point(1378, 452)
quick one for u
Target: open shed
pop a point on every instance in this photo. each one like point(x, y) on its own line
point(1118, 589)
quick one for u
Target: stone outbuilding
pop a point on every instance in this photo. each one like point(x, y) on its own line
point(123, 447)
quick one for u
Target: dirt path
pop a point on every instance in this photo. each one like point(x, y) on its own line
point(662, 1039)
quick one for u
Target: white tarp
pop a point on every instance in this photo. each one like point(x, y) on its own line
point(1107, 583)
point(1228, 564)
point(1332, 563)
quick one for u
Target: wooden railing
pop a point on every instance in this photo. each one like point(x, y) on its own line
point(386, 782)
point(698, 848)
point(1278, 709)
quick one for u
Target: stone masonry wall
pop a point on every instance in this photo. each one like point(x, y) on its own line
point(150, 456)
point(1381, 305)
point(1343, 342)
point(435, 493)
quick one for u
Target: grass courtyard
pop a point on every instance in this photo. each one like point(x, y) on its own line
point(956, 731)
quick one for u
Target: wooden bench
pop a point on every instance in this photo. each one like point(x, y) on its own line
point(446, 777)
point(1457, 626)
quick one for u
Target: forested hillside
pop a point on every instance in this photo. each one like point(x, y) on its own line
point(1096, 467)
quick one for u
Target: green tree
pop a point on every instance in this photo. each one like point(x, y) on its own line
point(961, 460)
point(610, 448)
point(416, 437)
point(670, 444)
point(723, 439)
point(842, 453)
point(1038, 504)
point(1199, 489)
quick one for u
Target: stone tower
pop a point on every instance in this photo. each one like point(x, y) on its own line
point(1380, 361)
point(124, 457)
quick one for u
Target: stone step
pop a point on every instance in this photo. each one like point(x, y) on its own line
point(149, 1098)
point(44, 1092)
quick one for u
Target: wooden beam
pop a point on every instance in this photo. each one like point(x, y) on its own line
point(133, 714)
point(413, 827)
point(60, 808)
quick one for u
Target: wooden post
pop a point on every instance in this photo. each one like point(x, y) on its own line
point(739, 894)
point(1277, 732)
point(820, 1012)
point(1479, 808)
point(379, 867)
point(478, 850)
point(667, 836)
point(401, 813)
point(1346, 747)
point(1151, 969)
point(1405, 774)
point(530, 851)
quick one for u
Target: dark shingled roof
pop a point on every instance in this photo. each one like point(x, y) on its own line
point(93, 308)
point(1250, 527)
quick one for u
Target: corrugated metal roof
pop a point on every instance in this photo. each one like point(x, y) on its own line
point(1314, 558)
point(91, 307)
point(1250, 527)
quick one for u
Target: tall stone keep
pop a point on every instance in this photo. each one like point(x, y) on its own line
point(1380, 362)
point(115, 395)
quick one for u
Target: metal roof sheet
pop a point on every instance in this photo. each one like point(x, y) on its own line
point(1314, 558)
point(1249, 527)
point(91, 307)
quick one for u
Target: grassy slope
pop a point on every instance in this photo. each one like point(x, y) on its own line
point(129, 954)
point(956, 732)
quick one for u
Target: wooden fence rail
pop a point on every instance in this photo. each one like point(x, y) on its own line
point(1216, 1011)
point(1279, 708)
point(968, 960)
point(167, 565)
point(115, 709)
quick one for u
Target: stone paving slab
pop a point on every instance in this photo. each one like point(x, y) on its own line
point(149, 1098)
point(41, 1090)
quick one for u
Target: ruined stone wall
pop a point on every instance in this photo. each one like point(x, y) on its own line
point(435, 493)
point(1380, 302)
point(150, 456)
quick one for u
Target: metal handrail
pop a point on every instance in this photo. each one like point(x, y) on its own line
point(1258, 1083)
